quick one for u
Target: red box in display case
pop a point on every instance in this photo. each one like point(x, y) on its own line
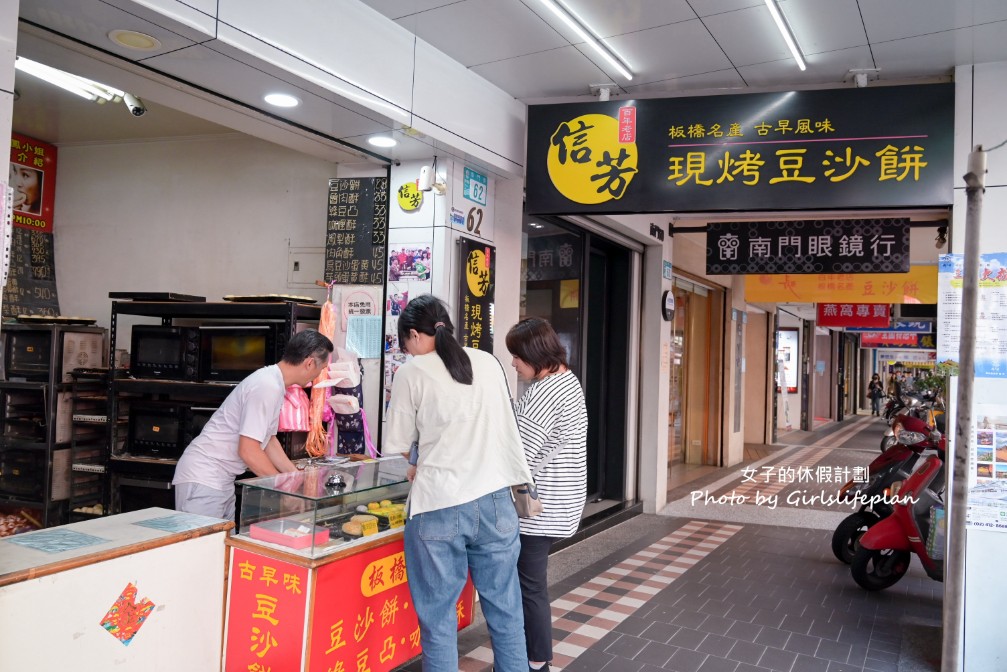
point(288, 532)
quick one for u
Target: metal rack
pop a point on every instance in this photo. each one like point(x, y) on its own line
point(89, 447)
point(36, 433)
point(131, 474)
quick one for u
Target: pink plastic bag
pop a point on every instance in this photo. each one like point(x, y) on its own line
point(294, 414)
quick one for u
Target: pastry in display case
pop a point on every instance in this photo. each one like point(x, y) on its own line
point(325, 506)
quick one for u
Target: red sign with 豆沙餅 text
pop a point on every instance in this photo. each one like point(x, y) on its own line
point(266, 609)
point(879, 339)
point(363, 616)
point(853, 315)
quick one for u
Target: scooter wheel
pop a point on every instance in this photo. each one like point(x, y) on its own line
point(848, 533)
point(878, 569)
point(887, 441)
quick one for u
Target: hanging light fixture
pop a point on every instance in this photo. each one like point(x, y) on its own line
point(788, 36)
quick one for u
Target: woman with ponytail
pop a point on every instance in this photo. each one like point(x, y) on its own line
point(454, 403)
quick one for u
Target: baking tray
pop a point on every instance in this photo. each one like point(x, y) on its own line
point(157, 296)
point(268, 298)
point(54, 319)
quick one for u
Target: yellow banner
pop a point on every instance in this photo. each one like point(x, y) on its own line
point(919, 285)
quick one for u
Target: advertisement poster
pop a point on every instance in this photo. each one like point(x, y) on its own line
point(987, 508)
point(31, 275)
point(475, 293)
point(991, 314)
point(919, 285)
point(788, 358)
point(409, 271)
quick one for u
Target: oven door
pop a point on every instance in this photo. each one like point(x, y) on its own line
point(136, 491)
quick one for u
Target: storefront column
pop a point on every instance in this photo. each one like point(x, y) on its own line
point(655, 348)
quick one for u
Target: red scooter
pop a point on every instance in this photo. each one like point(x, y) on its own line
point(884, 552)
point(893, 465)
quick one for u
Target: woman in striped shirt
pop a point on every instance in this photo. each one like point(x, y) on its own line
point(552, 420)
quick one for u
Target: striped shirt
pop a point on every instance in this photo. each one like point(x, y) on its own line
point(552, 413)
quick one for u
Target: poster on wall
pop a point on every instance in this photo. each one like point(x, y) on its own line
point(476, 289)
point(356, 231)
point(31, 278)
point(991, 314)
point(788, 359)
point(409, 271)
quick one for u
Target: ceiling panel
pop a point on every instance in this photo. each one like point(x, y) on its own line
point(711, 7)
point(231, 78)
point(483, 31)
point(824, 25)
point(676, 50)
point(926, 55)
point(91, 20)
point(395, 9)
point(748, 36)
point(607, 18)
point(828, 68)
point(720, 79)
point(893, 19)
point(560, 72)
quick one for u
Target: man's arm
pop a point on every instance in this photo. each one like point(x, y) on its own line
point(250, 451)
point(278, 458)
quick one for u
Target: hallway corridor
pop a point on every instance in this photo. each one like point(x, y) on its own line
point(720, 587)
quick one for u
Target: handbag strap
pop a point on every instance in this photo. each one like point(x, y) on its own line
point(544, 462)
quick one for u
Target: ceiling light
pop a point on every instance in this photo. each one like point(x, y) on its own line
point(56, 77)
point(583, 32)
point(788, 36)
point(382, 141)
point(281, 100)
point(134, 40)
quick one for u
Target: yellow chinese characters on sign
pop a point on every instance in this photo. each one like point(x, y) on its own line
point(587, 162)
point(919, 285)
point(383, 574)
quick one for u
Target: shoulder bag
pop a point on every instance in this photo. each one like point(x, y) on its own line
point(525, 495)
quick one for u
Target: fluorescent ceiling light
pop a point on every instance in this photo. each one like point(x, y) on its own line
point(82, 86)
point(788, 37)
point(382, 141)
point(583, 32)
point(281, 100)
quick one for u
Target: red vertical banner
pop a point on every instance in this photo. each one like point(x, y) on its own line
point(363, 614)
point(266, 607)
point(33, 178)
point(627, 124)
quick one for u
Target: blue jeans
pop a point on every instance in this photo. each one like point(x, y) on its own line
point(442, 547)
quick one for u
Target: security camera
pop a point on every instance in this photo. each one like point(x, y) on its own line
point(426, 179)
point(135, 105)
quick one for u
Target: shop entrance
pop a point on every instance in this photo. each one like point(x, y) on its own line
point(694, 411)
point(581, 283)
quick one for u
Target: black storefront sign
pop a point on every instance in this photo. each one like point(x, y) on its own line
point(475, 294)
point(808, 246)
point(31, 280)
point(356, 231)
point(555, 257)
point(840, 148)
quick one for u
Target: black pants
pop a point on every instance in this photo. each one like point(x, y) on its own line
point(532, 569)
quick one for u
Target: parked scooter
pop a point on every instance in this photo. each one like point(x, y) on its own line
point(929, 410)
point(892, 466)
point(885, 551)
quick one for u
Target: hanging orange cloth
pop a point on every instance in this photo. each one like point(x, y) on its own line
point(317, 438)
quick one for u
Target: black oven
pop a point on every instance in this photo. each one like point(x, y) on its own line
point(169, 353)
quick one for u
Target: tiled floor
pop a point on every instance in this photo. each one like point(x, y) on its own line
point(690, 595)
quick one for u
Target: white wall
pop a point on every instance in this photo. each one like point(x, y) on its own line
point(981, 99)
point(208, 216)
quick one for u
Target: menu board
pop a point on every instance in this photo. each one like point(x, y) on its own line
point(356, 231)
point(31, 280)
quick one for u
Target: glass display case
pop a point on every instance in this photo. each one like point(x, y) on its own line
point(325, 507)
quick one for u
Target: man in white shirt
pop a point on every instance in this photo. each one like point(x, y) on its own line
point(241, 434)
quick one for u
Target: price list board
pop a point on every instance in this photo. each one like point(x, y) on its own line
point(31, 281)
point(356, 231)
